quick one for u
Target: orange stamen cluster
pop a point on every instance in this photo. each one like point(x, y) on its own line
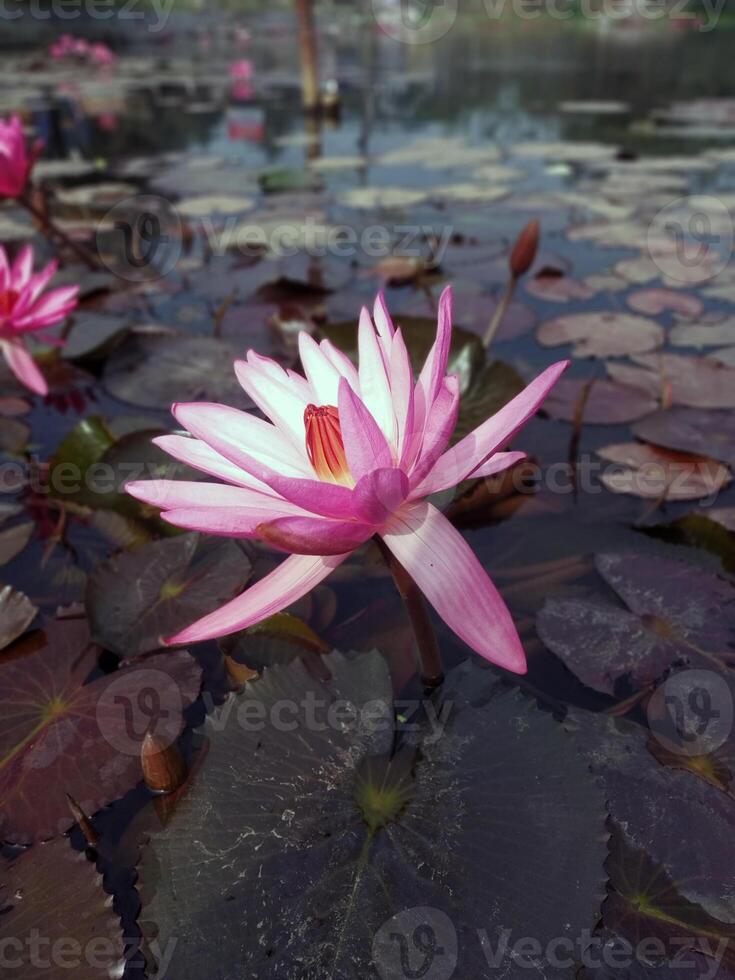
point(324, 444)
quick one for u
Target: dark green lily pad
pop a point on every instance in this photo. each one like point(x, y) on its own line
point(676, 614)
point(490, 388)
point(72, 474)
point(94, 335)
point(60, 735)
point(177, 581)
point(57, 919)
point(297, 851)
point(654, 807)
point(154, 371)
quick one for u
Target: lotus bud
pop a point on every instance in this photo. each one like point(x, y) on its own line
point(525, 249)
point(163, 765)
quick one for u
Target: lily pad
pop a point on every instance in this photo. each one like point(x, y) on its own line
point(698, 382)
point(652, 803)
point(156, 371)
point(601, 402)
point(602, 334)
point(299, 852)
point(61, 735)
point(662, 474)
point(57, 918)
point(673, 613)
point(691, 430)
point(17, 612)
point(14, 540)
point(653, 302)
point(177, 581)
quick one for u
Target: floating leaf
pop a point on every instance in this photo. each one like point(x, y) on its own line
point(704, 334)
point(94, 334)
point(601, 334)
point(653, 302)
point(177, 581)
point(662, 474)
point(278, 180)
point(14, 540)
point(55, 909)
point(691, 430)
point(604, 402)
point(676, 613)
point(555, 288)
point(651, 806)
point(17, 612)
point(491, 388)
point(71, 470)
point(698, 382)
point(156, 371)
point(59, 735)
point(14, 435)
point(297, 844)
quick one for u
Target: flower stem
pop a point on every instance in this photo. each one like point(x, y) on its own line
point(500, 311)
point(432, 671)
point(51, 229)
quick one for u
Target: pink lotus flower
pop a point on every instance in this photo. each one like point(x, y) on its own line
point(348, 453)
point(16, 161)
point(24, 310)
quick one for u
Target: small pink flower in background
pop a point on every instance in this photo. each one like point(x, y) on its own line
point(16, 159)
point(24, 310)
point(241, 71)
point(101, 55)
point(348, 453)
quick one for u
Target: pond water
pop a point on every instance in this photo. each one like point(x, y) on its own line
point(618, 136)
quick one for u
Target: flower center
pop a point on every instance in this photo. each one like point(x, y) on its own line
point(324, 444)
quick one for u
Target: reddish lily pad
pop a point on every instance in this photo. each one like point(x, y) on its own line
point(602, 334)
point(653, 302)
point(662, 474)
point(177, 581)
point(697, 382)
point(556, 288)
point(676, 613)
point(57, 918)
point(602, 402)
point(691, 430)
point(60, 735)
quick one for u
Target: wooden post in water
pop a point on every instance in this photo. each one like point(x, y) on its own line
point(308, 52)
